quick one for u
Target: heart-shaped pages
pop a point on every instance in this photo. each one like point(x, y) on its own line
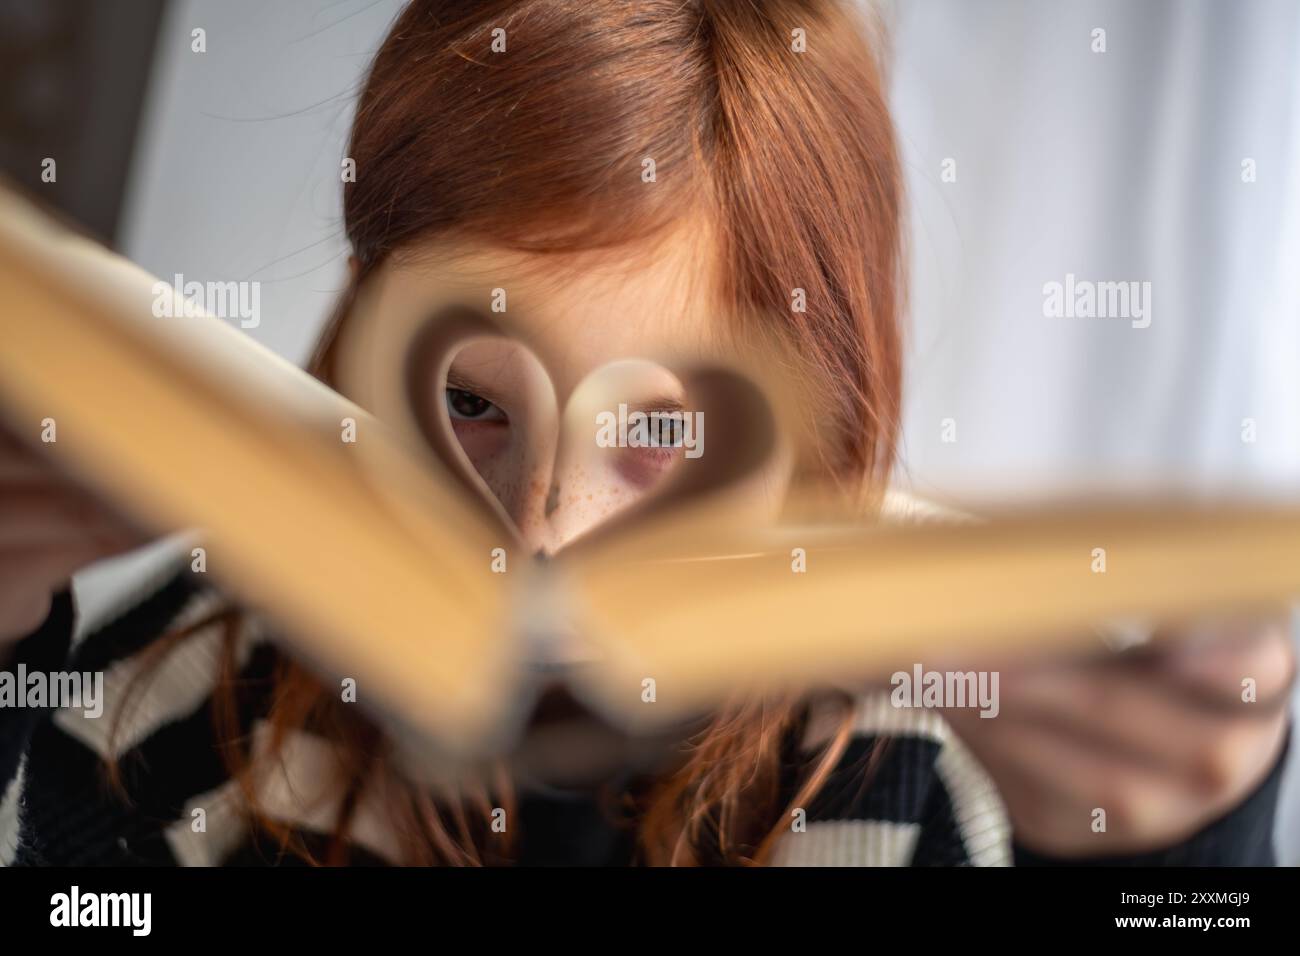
point(375, 556)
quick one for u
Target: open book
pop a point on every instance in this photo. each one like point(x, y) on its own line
point(382, 560)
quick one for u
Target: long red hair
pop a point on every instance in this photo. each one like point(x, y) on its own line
point(769, 118)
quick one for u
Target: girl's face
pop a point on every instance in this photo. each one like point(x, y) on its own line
point(604, 336)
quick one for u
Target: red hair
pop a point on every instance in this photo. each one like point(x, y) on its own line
point(539, 148)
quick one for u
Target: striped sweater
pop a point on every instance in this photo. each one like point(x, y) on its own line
point(928, 802)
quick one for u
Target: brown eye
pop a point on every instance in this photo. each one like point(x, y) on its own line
point(463, 405)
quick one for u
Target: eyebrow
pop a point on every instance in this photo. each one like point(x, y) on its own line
point(659, 403)
point(466, 383)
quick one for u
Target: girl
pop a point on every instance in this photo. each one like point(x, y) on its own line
point(648, 178)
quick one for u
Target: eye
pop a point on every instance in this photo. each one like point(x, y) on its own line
point(670, 432)
point(465, 406)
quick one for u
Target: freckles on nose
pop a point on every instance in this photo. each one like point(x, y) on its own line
point(531, 515)
point(551, 513)
point(581, 500)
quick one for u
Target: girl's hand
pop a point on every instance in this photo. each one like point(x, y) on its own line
point(48, 529)
point(1162, 739)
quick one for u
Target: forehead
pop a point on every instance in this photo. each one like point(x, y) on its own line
point(583, 310)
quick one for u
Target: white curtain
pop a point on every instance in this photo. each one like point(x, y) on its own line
point(1119, 166)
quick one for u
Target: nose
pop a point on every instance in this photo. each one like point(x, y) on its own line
point(562, 500)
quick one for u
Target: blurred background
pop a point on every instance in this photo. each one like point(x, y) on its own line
point(1154, 142)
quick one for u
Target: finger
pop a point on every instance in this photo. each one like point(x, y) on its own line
point(22, 466)
point(1215, 663)
point(1116, 708)
point(24, 505)
point(49, 566)
point(27, 583)
point(31, 515)
point(1079, 648)
point(27, 462)
point(8, 439)
point(1055, 786)
point(13, 445)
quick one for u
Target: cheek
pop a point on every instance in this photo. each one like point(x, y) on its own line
point(644, 468)
point(482, 442)
point(589, 492)
point(583, 497)
point(512, 474)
